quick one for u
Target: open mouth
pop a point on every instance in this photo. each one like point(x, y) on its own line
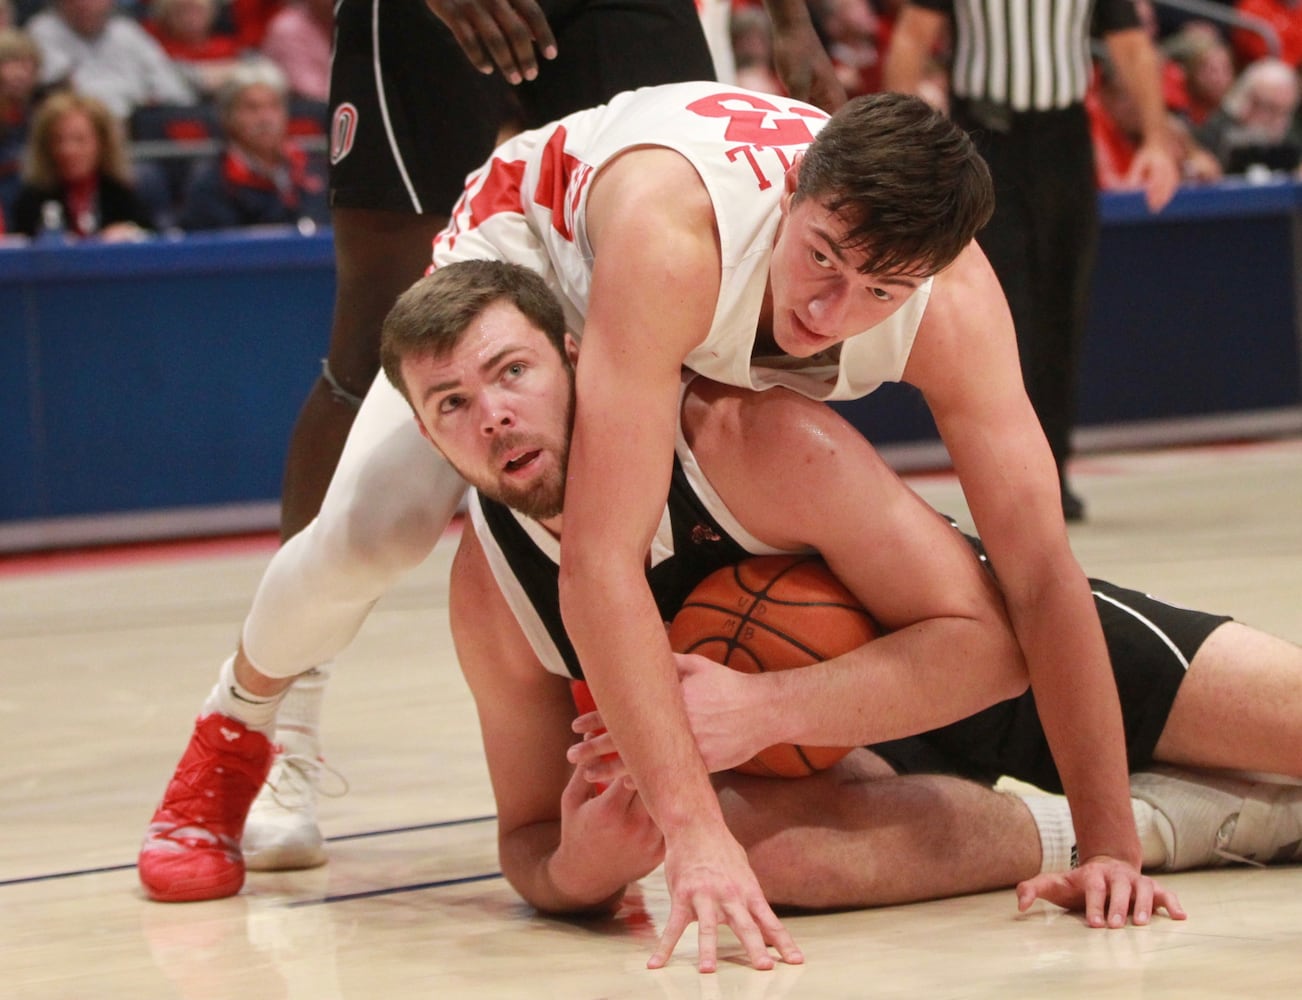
point(803, 332)
point(521, 460)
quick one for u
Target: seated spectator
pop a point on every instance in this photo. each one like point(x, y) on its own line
point(186, 29)
point(77, 161)
point(1284, 16)
point(86, 44)
point(262, 177)
point(1254, 126)
point(1206, 68)
point(1117, 130)
point(20, 66)
point(298, 40)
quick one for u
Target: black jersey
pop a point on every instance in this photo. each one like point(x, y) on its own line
point(695, 545)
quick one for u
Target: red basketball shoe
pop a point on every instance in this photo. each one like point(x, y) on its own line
point(192, 848)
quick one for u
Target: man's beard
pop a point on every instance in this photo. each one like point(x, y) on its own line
point(542, 499)
point(545, 497)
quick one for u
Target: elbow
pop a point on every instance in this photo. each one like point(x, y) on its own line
point(1012, 677)
point(551, 900)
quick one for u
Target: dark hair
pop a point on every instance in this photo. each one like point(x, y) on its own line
point(907, 181)
point(429, 317)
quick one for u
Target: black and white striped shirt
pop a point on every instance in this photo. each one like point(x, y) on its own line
point(1028, 55)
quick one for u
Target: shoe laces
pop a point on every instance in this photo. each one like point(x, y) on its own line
point(211, 791)
point(295, 775)
point(1223, 837)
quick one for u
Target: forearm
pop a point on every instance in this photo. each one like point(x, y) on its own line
point(635, 685)
point(1137, 64)
point(1076, 698)
point(921, 677)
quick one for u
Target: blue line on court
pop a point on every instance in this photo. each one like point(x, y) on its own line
point(348, 897)
point(53, 876)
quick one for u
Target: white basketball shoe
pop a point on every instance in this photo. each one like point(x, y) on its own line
point(1219, 817)
point(282, 833)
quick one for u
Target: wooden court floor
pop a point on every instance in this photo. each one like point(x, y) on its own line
point(106, 659)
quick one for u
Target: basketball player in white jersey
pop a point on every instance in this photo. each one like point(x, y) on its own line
point(698, 225)
point(480, 350)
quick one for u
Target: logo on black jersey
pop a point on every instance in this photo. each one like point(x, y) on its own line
point(702, 533)
point(343, 132)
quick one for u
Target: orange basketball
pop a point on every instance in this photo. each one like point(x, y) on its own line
point(774, 613)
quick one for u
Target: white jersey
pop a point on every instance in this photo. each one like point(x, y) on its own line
point(528, 205)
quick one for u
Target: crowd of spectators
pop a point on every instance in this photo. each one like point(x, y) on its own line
point(119, 118)
point(166, 72)
point(1230, 81)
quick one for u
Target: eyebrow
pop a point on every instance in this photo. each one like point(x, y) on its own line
point(492, 362)
point(839, 254)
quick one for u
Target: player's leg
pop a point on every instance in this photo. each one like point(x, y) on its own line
point(378, 255)
point(410, 118)
point(1240, 705)
point(1205, 694)
point(849, 838)
point(390, 500)
point(440, 121)
point(1239, 709)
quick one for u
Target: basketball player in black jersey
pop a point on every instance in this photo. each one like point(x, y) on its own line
point(479, 350)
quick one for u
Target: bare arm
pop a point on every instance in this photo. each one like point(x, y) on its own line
point(799, 57)
point(965, 363)
point(654, 287)
point(1154, 167)
point(797, 475)
point(913, 39)
point(563, 847)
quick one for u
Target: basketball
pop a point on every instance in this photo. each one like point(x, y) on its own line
point(774, 613)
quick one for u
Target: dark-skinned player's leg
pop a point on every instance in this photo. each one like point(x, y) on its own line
point(410, 117)
point(432, 116)
point(377, 257)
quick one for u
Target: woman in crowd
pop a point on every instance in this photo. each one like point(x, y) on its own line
point(77, 174)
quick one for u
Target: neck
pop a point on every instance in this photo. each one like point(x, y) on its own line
point(553, 525)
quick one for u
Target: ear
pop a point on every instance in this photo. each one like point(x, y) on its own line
point(571, 348)
point(790, 181)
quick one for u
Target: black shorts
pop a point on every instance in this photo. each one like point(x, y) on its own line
point(411, 117)
point(1151, 645)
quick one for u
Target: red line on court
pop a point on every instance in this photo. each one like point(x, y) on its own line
point(98, 557)
point(139, 553)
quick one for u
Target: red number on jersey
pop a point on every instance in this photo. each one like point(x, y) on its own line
point(756, 121)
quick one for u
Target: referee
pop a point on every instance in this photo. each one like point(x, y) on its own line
point(1018, 80)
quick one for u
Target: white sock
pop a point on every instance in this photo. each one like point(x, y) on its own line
point(231, 699)
point(298, 726)
point(1057, 836)
point(1052, 818)
point(1154, 834)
